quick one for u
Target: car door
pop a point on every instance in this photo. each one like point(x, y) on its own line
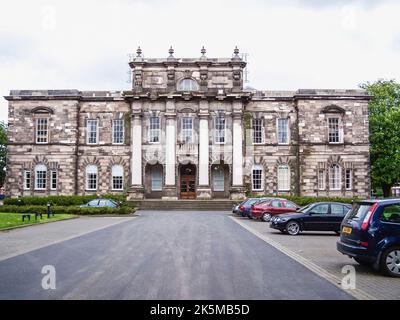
point(276, 207)
point(317, 218)
point(338, 211)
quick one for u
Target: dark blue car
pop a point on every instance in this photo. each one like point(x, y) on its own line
point(370, 233)
point(244, 208)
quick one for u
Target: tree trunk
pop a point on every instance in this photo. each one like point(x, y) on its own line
point(387, 190)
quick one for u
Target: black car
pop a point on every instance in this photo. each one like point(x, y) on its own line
point(320, 216)
point(371, 235)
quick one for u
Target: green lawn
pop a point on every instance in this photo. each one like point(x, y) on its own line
point(9, 220)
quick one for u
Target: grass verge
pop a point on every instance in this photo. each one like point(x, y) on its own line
point(11, 220)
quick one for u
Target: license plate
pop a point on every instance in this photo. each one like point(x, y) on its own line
point(347, 230)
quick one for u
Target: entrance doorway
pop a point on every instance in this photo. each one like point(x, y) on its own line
point(187, 175)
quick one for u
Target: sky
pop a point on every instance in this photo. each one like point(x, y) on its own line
point(291, 44)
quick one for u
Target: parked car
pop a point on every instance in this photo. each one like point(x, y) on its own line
point(245, 207)
point(371, 235)
point(96, 203)
point(320, 216)
point(266, 210)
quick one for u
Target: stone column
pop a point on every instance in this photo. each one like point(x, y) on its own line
point(170, 190)
point(136, 191)
point(204, 190)
point(237, 190)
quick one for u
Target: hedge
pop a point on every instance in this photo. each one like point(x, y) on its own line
point(61, 200)
point(304, 201)
point(68, 210)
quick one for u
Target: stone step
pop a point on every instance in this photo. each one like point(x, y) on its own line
point(198, 205)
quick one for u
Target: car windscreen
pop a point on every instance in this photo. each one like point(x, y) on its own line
point(359, 211)
point(304, 209)
point(252, 201)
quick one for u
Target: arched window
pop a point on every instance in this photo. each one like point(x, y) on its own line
point(257, 178)
point(40, 177)
point(283, 178)
point(91, 177)
point(335, 180)
point(117, 177)
point(188, 84)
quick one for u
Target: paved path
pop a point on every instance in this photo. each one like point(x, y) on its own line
point(165, 255)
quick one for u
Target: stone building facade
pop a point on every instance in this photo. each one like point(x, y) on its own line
point(188, 129)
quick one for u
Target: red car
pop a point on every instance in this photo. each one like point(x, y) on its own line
point(266, 210)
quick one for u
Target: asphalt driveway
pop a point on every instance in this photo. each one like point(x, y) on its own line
point(164, 255)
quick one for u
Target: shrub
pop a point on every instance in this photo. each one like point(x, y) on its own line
point(68, 210)
point(61, 200)
point(304, 201)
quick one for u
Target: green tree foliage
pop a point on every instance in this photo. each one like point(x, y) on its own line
point(384, 123)
point(3, 143)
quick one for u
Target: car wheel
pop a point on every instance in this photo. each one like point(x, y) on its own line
point(266, 217)
point(390, 262)
point(293, 228)
point(363, 262)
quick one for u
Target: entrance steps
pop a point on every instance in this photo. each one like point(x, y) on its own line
point(186, 205)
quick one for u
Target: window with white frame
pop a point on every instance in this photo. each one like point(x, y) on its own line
point(321, 180)
point(335, 180)
point(117, 172)
point(92, 132)
point(283, 178)
point(154, 130)
point(258, 131)
point(349, 179)
point(220, 130)
point(27, 180)
point(42, 130)
point(334, 134)
point(118, 131)
point(219, 179)
point(156, 178)
point(283, 131)
point(53, 180)
point(257, 178)
point(187, 129)
point(188, 85)
point(40, 177)
point(91, 177)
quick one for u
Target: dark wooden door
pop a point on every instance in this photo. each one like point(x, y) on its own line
point(188, 187)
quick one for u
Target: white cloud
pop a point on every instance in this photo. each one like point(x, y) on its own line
point(292, 44)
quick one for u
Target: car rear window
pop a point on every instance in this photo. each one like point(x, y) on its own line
point(359, 211)
point(391, 213)
point(252, 201)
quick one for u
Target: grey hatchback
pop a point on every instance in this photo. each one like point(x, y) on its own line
point(98, 203)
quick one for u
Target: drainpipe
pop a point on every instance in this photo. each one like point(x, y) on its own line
point(77, 147)
point(298, 191)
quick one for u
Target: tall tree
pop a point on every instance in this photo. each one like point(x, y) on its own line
point(3, 143)
point(384, 123)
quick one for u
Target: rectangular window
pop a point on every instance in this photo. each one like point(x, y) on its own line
point(349, 179)
point(154, 130)
point(27, 180)
point(283, 131)
point(42, 130)
point(91, 127)
point(118, 131)
point(283, 178)
point(187, 130)
point(53, 180)
point(91, 181)
point(220, 130)
point(219, 180)
point(258, 131)
point(334, 130)
point(41, 177)
point(334, 177)
point(156, 179)
point(321, 180)
point(118, 183)
point(257, 180)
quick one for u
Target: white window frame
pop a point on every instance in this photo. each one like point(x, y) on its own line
point(321, 179)
point(155, 132)
point(218, 135)
point(117, 171)
point(287, 120)
point(261, 127)
point(333, 178)
point(93, 170)
point(283, 177)
point(53, 178)
point(26, 178)
point(40, 168)
point(40, 129)
point(88, 132)
point(339, 130)
point(216, 186)
point(349, 179)
point(184, 130)
point(158, 178)
point(115, 133)
point(257, 168)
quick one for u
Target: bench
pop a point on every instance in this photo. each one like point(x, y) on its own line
point(50, 213)
point(26, 216)
point(38, 215)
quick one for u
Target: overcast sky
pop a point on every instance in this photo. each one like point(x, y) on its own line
point(292, 44)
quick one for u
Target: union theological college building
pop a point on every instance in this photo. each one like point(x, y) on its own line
point(188, 130)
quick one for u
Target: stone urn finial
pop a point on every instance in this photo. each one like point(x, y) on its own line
point(139, 52)
point(203, 51)
point(236, 52)
point(171, 52)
